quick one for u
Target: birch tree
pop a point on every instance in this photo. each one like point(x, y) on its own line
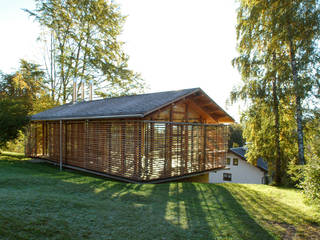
point(85, 47)
point(277, 42)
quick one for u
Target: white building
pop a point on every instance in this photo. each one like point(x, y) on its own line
point(238, 170)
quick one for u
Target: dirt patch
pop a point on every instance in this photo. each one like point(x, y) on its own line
point(290, 231)
point(37, 160)
point(302, 232)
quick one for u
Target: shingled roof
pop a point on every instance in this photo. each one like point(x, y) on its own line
point(136, 106)
point(241, 152)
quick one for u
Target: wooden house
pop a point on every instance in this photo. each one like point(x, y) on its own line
point(141, 138)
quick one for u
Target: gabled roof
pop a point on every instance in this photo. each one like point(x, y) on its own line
point(134, 106)
point(241, 152)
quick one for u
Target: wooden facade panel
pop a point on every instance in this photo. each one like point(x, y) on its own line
point(183, 111)
point(138, 150)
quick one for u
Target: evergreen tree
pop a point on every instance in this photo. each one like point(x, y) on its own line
point(236, 139)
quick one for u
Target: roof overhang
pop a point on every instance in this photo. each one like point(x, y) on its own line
point(91, 117)
point(205, 103)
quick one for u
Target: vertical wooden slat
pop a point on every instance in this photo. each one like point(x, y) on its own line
point(169, 167)
point(204, 147)
point(146, 139)
point(86, 144)
point(181, 150)
point(192, 148)
point(151, 154)
point(42, 124)
point(135, 158)
point(140, 150)
point(36, 140)
point(65, 142)
point(60, 146)
point(109, 161)
point(123, 146)
point(140, 139)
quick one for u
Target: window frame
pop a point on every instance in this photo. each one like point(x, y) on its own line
point(227, 177)
point(235, 163)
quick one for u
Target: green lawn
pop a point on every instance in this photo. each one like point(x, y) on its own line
point(39, 202)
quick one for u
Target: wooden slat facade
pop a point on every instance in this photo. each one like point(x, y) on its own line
point(138, 150)
point(180, 139)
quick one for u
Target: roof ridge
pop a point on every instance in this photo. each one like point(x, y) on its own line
point(129, 105)
point(133, 95)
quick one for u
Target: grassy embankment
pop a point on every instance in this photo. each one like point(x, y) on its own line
point(39, 202)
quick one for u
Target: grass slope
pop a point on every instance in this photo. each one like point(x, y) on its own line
point(39, 202)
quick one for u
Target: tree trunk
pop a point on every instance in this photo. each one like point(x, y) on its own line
point(301, 160)
point(278, 173)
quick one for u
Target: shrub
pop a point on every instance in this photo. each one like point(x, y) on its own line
point(311, 181)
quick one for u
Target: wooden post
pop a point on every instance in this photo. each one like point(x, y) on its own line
point(66, 141)
point(146, 171)
point(109, 139)
point(135, 157)
point(199, 147)
point(192, 145)
point(186, 140)
point(104, 137)
point(204, 147)
point(182, 157)
point(165, 149)
point(139, 150)
point(35, 139)
point(42, 138)
point(60, 145)
point(86, 143)
point(151, 147)
point(123, 146)
point(170, 143)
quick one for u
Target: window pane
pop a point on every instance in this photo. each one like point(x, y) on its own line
point(235, 161)
point(227, 176)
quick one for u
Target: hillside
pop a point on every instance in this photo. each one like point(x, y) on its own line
point(37, 202)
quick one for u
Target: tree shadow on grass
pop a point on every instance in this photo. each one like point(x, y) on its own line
point(225, 217)
point(194, 211)
point(70, 205)
point(290, 222)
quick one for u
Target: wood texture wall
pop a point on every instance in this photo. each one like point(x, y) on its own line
point(139, 150)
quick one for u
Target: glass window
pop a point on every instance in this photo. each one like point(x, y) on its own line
point(235, 161)
point(228, 161)
point(227, 176)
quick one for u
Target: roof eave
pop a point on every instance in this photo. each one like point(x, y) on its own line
point(173, 101)
point(237, 154)
point(91, 117)
point(220, 108)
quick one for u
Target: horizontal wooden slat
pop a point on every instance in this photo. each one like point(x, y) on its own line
point(138, 150)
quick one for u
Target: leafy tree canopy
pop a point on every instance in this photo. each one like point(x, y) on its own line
point(84, 47)
point(236, 139)
point(21, 94)
point(278, 48)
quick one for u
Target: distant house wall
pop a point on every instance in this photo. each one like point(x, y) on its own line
point(244, 172)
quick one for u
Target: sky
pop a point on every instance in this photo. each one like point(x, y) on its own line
point(173, 44)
